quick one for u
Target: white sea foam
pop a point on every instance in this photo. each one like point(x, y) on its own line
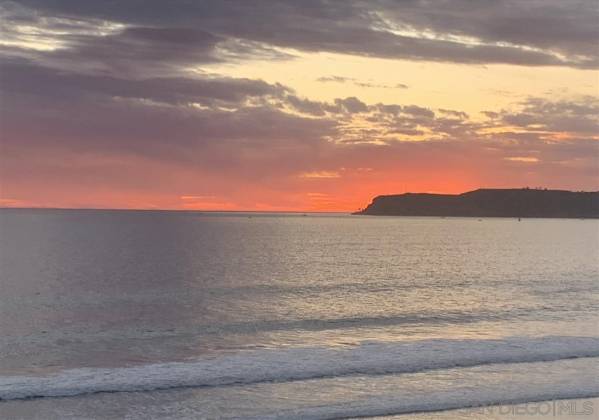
point(283, 365)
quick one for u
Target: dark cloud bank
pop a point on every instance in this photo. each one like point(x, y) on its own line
point(534, 32)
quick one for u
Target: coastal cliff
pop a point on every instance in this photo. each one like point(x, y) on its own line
point(523, 202)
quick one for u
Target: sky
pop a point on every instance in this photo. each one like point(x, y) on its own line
point(312, 105)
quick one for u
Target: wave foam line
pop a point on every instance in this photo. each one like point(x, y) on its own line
point(291, 364)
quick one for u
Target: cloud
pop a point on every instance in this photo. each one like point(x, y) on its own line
point(342, 79)
point(320, 175)
point(418, 111)
point(335, 79)
point(530, 33)
point(237, 125)
point(351, 104)
point(306, 106)
point(453, 113)
point(20, 77)
point(523, 159)
point(94, 45)
point(381, 86)
point(579, 115)
point(555, 27)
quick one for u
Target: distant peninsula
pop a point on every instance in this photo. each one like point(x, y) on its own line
point(520, 202)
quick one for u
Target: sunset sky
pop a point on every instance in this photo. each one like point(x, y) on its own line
point(293, 105)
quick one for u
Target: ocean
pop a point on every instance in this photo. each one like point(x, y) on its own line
point(109, 314)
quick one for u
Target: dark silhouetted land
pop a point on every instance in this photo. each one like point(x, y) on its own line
point(523, 202)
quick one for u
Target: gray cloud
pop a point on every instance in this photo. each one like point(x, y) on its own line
point(336, 79)
point(351, 104)
point(45, 110)
point(418, 111)
point(306, 106)
point(453, 113)
point(380, 86)
point(18, 77)
point(341, 79)
point(93, 45)
point(550, 32)
point(568, 28)
point(576, 116)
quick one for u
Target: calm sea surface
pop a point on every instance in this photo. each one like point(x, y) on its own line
point(141, 315)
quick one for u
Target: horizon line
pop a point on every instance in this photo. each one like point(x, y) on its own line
point(286, 211)
point(177, 210)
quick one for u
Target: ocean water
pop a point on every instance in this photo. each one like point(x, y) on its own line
point(151, 315)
